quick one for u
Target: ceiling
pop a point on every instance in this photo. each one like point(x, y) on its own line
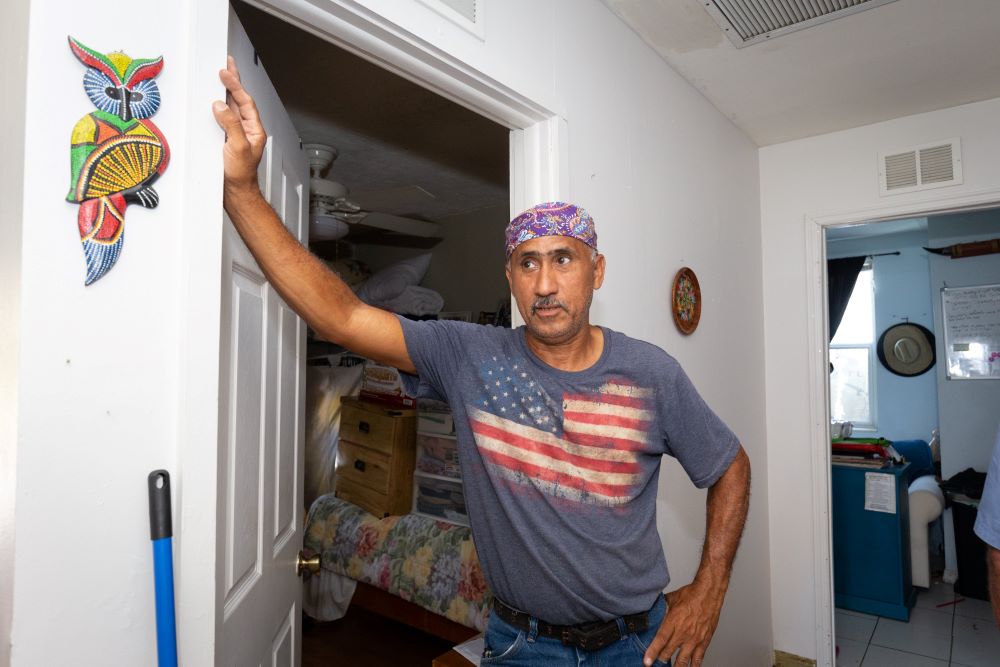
point(397, 141)
point(897, 59)
point(900, 58)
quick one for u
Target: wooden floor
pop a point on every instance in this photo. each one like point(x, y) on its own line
point(365, 639)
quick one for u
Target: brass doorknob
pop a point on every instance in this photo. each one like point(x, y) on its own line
point(307, 563)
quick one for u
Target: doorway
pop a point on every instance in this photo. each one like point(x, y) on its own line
point(945, 626)
point(431, 180)
point(537, 171)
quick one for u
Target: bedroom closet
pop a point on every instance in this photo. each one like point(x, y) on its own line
point(409, 200)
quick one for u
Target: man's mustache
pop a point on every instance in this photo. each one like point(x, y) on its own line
point(547, 302)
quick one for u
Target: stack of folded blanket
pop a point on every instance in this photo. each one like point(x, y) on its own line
point(397, 288)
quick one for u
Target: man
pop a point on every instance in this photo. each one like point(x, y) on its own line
point(561, 428)
point(988, 527)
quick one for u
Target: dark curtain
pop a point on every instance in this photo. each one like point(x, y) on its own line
point(841, 274)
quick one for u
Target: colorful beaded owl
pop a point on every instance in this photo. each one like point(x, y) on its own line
point(116, 153)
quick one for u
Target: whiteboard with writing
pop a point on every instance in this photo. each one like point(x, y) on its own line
point(972, 331)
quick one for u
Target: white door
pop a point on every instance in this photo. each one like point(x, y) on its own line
point(259, 525)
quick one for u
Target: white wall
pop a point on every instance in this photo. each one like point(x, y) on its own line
point(99, 396)
point(827, 175)
point(969, 409)
point(102, 401)
point(13, 72)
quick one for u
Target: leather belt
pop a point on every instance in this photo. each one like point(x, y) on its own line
point(589, 636)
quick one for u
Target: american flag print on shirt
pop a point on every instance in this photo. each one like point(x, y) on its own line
point(585, 447)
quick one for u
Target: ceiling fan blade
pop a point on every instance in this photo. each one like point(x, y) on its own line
point(346, 206)
point(348, 217)
point(401, 225)
point(398, 200)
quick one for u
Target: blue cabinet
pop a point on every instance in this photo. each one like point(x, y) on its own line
point(871, 548)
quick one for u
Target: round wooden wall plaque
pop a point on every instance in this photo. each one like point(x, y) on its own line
point(686, 301)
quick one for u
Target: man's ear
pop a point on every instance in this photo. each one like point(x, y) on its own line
point(599, 266)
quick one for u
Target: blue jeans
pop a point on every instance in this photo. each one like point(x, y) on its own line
point(513, 647)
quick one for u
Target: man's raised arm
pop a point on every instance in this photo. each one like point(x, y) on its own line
point(303, 281)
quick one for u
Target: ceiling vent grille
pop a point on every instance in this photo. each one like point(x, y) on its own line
point(920, 167)
point(747, 22)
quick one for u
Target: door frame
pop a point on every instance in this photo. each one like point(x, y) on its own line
point(539, 171)
point(817, 314)
point(538, 145)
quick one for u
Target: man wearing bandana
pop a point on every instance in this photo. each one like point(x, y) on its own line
point(561, 429)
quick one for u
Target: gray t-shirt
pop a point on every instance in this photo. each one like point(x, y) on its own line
point(560, 468)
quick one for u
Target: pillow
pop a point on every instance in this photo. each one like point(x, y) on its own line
point(390, 282)
point(351, 271)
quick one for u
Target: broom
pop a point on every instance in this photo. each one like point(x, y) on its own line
point(161, 532)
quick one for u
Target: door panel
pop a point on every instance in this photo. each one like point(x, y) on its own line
point(243, 448)
point(286, 468)
point(261, 412)
point(283, 646)
point(291, 401)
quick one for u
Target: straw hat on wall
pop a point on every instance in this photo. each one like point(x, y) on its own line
point(906, 349)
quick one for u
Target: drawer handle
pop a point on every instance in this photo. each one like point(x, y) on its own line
point(359, 465)
point(364, 427)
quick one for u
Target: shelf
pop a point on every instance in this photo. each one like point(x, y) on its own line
point(443, 478)
point(360, 234)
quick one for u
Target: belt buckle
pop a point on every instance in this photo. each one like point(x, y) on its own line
point(593, 639)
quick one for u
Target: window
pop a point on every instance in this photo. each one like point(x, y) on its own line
point(852, 354)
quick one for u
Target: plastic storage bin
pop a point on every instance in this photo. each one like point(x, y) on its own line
point(438, 455)
point(436, 421)
point(439, 498)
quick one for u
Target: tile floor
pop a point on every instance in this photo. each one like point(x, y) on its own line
point(962, 634)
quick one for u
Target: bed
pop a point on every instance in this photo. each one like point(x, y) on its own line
point(415, 569)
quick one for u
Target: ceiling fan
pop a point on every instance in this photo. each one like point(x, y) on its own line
point(333, 215)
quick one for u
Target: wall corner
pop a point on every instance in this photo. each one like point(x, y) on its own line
point(13, 73)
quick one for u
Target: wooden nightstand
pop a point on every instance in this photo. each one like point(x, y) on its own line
point(375, 457)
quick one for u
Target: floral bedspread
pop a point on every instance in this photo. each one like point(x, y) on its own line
point(427, 562)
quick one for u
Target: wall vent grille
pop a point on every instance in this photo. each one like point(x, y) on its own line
point(901, 171)
point(920, 167)
point(466, 14)
point(465, 8)
point(747, 22)
point(936, 165)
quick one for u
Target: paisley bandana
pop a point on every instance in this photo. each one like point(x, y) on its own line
point(551, 219)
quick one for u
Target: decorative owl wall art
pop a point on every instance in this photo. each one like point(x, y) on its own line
point(116, 152)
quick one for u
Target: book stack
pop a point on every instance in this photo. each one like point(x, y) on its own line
point(384, 384)
point(864, 452)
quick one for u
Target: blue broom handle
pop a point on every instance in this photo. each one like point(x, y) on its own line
point(161, 532)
